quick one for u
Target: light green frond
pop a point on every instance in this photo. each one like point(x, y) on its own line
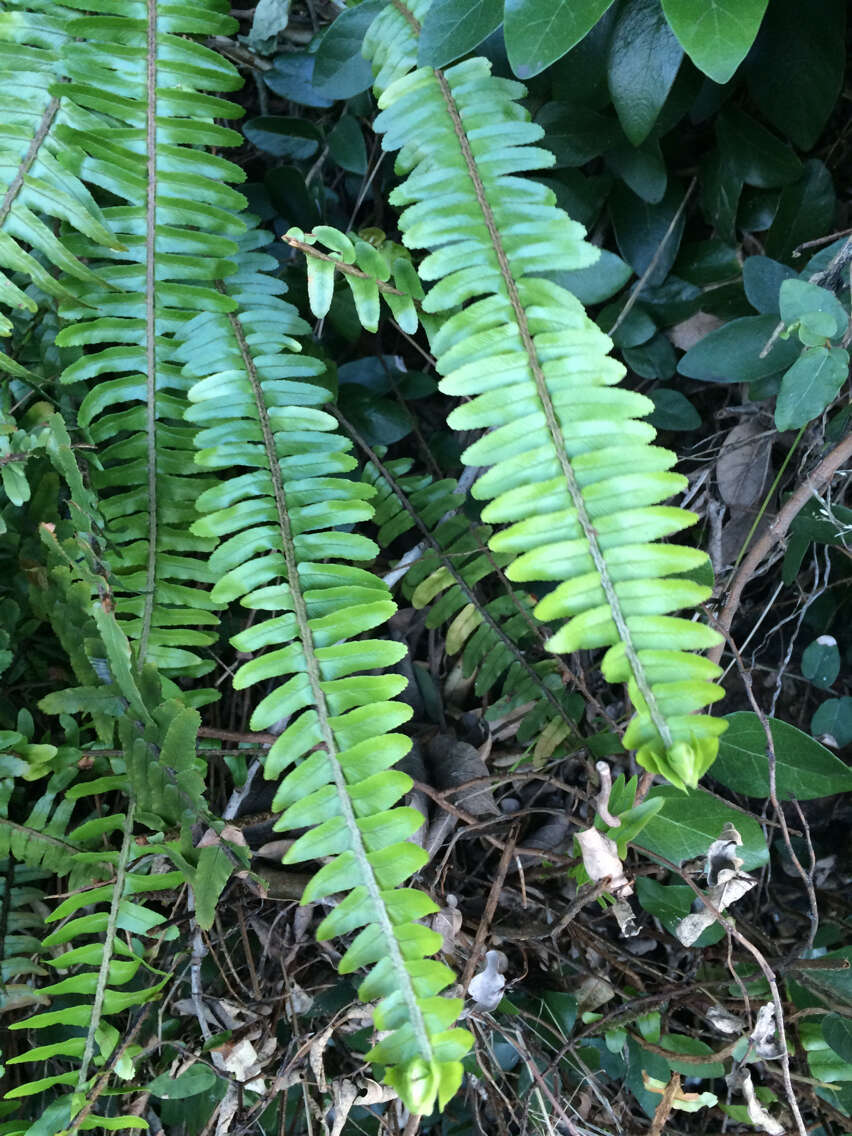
point(283, 511)
point(533, 369)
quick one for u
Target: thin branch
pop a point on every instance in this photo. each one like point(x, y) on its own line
point(811, 487)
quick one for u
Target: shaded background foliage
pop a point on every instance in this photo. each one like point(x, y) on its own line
point(710, 170)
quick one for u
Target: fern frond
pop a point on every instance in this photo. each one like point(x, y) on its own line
point(258, 402)
point(366, 269)
point(137, 81)
point(572, 469)
point(496, 636)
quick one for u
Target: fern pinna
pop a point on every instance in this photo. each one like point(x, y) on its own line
point(572, 471)
point(284, 552)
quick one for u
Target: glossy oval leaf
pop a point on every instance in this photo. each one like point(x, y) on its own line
point(538, 32)
point(804, 769)
point(716, 34)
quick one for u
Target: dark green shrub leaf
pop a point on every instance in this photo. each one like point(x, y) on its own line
point(689, 821)
point(575, 135)
point(291, 197)
point(720, 194)
point(563, 1007)
point(540, 31)
point(644, 57)
point(640, 230)
point(804, 769)
point(731, 354)
point(452, 28)
point(756, 155)
point(693, 1047)
point(270, 18)
point(291, 76)
point(652, 360)
point(821, 661)
point(810, 386)
point(716, 34)
point(834, 718)
point(340, 70)
point(597, 283)
point(805, 211)
point(294, 138)
point(837, 1031)
point(636, 327)
point(762, 279)
point(795, 72)
point(642, 168)
point(672, 410)
point(346, 145)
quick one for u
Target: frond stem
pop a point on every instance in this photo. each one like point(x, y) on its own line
point(28, 159)
point(151, 324)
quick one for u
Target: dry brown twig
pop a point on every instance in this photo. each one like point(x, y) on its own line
point(814, 482)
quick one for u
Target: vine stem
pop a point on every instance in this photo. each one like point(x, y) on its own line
point(109, 940)
point(811, 486)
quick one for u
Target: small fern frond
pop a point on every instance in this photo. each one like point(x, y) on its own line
point(572, 468)
point(366, 269)
point(283, 528)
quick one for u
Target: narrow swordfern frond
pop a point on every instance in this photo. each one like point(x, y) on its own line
point(282, 523)
point(573, 472)
point(143, 119)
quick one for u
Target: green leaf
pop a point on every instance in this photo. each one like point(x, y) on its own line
point(540, 31)
point(810, 385)
point(291, 77)
point(197, 1079)
point(670, 904)
point(804, 769)
point(294, 138)
point(213, 872)
point(716, 34)
point(576, 134)
point(672, 410)
point(798, 298)
point(837, 1031)
point(655, 359)
point(795, 72)
point(762, 280)
point(834, 718)
point(641, 229)
point(452, 28)
point(689, 821)
point(731, 354)
point(821, 661)
point(641, 168)
point(694, 1047)
point(805, 211)
point(755, 155)
point(346, 145)
point(644, 57)
point(340, 70)
point(270, 18)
